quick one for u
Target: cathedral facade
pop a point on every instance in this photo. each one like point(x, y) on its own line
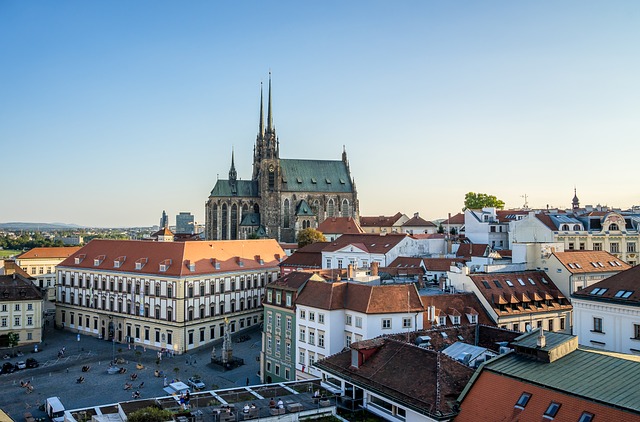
point(283, 196)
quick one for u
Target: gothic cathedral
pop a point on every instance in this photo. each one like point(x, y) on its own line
point(283, 196)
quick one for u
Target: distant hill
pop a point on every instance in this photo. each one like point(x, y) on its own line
point(38, 226)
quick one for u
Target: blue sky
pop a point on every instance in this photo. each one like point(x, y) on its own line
point(111, 112)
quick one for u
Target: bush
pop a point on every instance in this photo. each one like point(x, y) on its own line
point(150, 414)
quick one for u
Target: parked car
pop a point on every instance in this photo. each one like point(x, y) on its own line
point(21, 365)
point(8, 368)
point(32, 363)
point(196, 383)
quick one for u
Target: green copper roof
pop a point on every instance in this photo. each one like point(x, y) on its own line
point(251, 219)
point(611, 378)
point(243, 188)
point(315, 176)
point(303, 209)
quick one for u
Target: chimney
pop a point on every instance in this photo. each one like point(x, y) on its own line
point(542, 341)
point(374, 268)
point(350, 272)
point(416, 214)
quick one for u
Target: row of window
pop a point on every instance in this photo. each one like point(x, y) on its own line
point(40, 270)
point(127, 307)
point(313, 358)
point(270, 350)
point(312, 316)
point(598, 327)
point(276, 370)
point(311, 339)
point(140, 286)
point(552, 409)
point(550, 325)
point(278, 321)
point(4, 321)
point(16, 307)
point(278, 297)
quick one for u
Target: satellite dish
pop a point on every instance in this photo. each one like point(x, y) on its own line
point(528, 328)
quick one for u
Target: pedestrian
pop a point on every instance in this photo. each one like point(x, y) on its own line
point(247, 380)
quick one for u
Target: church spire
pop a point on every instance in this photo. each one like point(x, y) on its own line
point(575, 202)
point(270, 127)
point(261, 124)
point(233, 176)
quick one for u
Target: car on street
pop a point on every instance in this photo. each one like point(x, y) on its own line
point(32, 363)
point(8, 368)
point(196, 383)
point(21, 365)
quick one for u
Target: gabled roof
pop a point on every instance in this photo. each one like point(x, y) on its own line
point(381, 221)
point(207, 257)
point(340, 225)
point(417, 221)
point(251, 219)
point(56, 252)
point(434, 382)
point(303, 209)
point(622, 288)
point(456, 219)
point(504, 216)
point(407, 262)
point(579, 262)
point(315, 176)
point(365, 298)
point(372, 243)
point(467, 250)
point(547, 221)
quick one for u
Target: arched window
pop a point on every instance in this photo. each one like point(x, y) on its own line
point(613, 226)
point(564, 227)
point(234, 221)
point(214, 221)
point(285, 212)
point(345, 208)
point(576, 227)
point(225, 228)
point(330, 208)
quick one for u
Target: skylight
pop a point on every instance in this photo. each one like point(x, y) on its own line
point(497, 283)
point(578, 265)
point(571, 265)
point(595, 291)
point(521, 282)
point(531, 281)
point(602, 291)
point(627, 294)
point(523, 400)
point(600, 264)
point(509, 283)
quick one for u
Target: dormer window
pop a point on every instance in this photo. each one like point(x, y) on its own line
point(80, 258)
point(192, 266)
point(117, 263)
point(164, 265)
point(98, 260)
point(140, 263)
point(442, 320)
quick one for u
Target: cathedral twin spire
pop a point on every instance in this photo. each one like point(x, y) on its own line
point(267, 145)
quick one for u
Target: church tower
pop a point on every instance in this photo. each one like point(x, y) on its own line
point(575, 202)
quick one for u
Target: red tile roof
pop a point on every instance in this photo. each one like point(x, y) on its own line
point(494, 397)
point(340, 225)
point(365, 298)
point(520, 288)
point(456, 219)
point(380, 221)
point(626, 281)
point(463, 303)
point(467, 250)
point(15, 288)
point(578, 262)
point(56, 252)
point(417, 221)
point(407, 262)
point(547, 221)
point(369, 242)
point(441, 264)
point(309, 256)
point(431, 383)
point(229, 255)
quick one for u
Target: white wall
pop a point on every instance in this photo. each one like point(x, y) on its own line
point(617, 325)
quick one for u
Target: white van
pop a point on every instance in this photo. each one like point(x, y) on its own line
point(54, 408)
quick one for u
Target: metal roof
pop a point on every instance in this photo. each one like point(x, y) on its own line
point(459, 349)
point(315, 176)
point(609, 378)
point(244, 188)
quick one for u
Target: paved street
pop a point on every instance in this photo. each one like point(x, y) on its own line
point(57, 377)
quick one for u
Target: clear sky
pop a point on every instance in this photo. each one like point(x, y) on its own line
point(111, 112)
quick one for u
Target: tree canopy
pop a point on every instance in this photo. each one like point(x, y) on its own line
point(309, 236)
point(149, 414)
point(476, 201)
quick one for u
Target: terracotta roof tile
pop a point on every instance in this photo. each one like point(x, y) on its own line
point(340, 225)
point(464, 303)
point(56, 252)
point(456, 219)
point(441, 264)
point(381, 221)
point(231, 255)
point(372, 243)
point(577, 262)
point(625, 281)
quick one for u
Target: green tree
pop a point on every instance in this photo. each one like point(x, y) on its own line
point(309, 236)
point(149, 414)
point(477, 201)
point(440, 229)
point(13, 339)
